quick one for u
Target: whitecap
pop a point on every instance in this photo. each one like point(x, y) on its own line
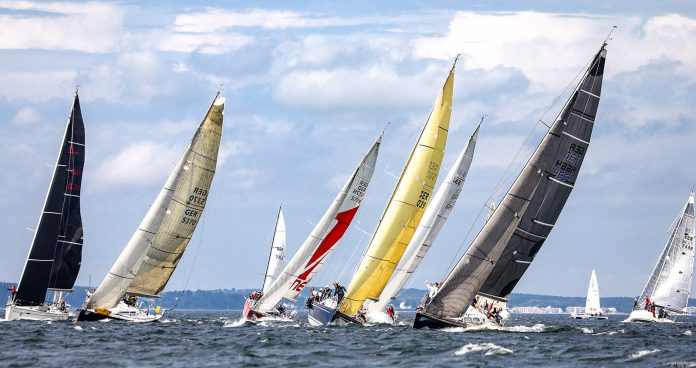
point(687, 333)
point(92, 328)
point(586, 330)
point(79, 328)
point(489, 348)
point(167, 320)
point(610, 333)
point(641, 353)
point(238, 323)
point(539, 327)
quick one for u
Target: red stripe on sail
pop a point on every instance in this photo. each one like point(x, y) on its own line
point(344, 219)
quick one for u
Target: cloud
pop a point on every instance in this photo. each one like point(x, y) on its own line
point(205, 43)
point(94, 27)
point(37, 86)
point(26, 116)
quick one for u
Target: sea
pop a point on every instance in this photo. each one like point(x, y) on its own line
point(223, 339)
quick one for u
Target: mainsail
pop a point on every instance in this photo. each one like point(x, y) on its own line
point(434, 218)
point(670, 282)
point(153, 252)
point(56, 249)
point(325, 235)
point(405, 208)
point(592, 302)
point(275, 259)
point(508, 242)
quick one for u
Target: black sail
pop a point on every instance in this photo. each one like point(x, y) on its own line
point(574, 130)
point(508, 242)
point(56, 250)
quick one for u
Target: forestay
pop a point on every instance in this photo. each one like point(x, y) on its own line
point(153, 252)
point(527, 213)
point(434, 218)
point(325, 235)
point(56, 249)
point(277, 255)
point(405, 208)
point(670, 282)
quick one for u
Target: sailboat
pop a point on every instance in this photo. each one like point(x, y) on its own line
point(669, 284)
point(436, 213)
point(56, 248)
point(518, 227)
point(151, 255)
point(400, 219)
point(592, 308)
point(319, 244)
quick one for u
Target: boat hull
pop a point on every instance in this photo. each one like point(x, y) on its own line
point(121, 312)
point(645, 316)
point(38, 313)
point(321, 315)
point(423, 320)
point(249, 313)
point(587, 316)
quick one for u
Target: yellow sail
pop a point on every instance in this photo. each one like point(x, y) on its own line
point(405, 208)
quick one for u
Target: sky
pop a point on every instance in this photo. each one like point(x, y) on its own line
point(309, 86)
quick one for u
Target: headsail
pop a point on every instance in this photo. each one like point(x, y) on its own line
point(153, 252)
point(277, 255)
point(434, 218)
point(529, 210)
point(325, 235)
point(405, 208)
point(592, 302)
point(670, 282)
point(56, 250)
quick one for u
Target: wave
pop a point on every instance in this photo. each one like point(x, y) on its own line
point(78, 328)
point(641, 353)
point(489, 348)
point(585, 330)
point(238, 323)
point(539, 327)
point(687, 333)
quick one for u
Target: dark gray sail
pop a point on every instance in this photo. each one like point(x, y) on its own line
point(670, 282)
point(508, 242)
point(56, 250)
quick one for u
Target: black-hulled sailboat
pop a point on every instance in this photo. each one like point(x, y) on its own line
point(56, 249)
point(508, 242)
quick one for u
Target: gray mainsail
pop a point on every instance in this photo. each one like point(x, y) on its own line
point(670, 282)
point(508, 242)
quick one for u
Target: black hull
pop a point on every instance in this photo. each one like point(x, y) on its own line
point(347, 318)
point(90, 316)
point(423, 320)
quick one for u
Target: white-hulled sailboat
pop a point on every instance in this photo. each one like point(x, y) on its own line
point(153, 252)
point(320, 242)
point(507, 244)
point(669, 285)
point(592, 307)
point(434, 218)
point(56, 249)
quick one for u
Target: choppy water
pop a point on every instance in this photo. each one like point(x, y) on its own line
point(195, 338)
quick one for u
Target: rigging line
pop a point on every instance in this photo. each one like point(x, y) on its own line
point(352, 256)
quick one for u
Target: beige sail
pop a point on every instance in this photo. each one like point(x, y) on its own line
point(185, 208)
point(405, 208)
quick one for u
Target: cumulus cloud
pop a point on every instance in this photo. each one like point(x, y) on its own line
point(94, 27)
point(26, 116)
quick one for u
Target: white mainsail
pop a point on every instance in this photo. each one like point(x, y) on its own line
point(436, 213)
point(320, 242)
point(670, 282)
point(156, 246)
point(275, 259)
point(592, 301)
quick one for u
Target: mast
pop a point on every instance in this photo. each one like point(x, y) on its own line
point(405, 208)
point(324, 237)
point(507, 243)
point(276, 255)
point(669, 284)
point(153, 252)
point(56, 249)
point(434, 219)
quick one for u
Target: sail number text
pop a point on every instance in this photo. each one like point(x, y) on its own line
point(433, 170)
point(423, 199)
point(567, 165)
point(359, 192)
point(198, 197)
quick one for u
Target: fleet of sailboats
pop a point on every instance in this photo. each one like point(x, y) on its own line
point(475, 290)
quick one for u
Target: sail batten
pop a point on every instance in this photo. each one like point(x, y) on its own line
point(53, 263)
point(150, 257)
point(324, 237)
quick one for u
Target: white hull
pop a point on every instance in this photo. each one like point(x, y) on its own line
point(474, 317)
point(645, 316)
point(586, 316)
point(121, 312)
point(39, 313)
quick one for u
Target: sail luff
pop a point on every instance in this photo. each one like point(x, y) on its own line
point(405, 208)
point(510, 239)
point(277, 252)
point(326, 234)
point(120, 277)
point(35, 278)
point(434, 218)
